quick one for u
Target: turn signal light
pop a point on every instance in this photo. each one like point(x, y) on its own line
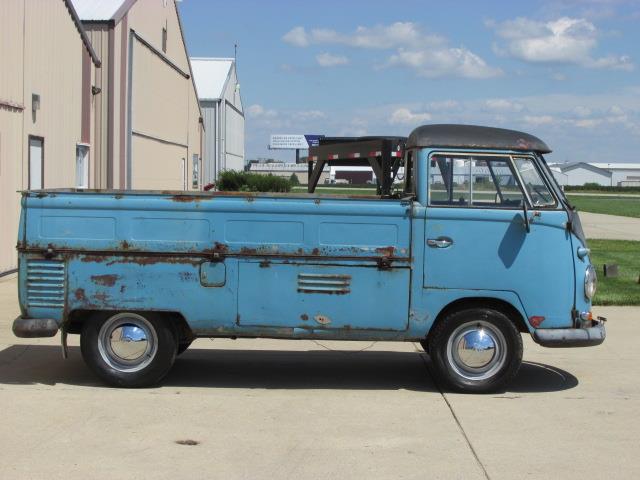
point(536, 320)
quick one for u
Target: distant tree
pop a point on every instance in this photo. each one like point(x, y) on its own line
point(293, 180)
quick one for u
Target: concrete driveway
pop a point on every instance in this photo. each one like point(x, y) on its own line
point(300, 409)
point(613, 227)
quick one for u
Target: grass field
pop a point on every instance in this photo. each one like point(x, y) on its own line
point(625, 206)
point(624, 289)
point(337, 190)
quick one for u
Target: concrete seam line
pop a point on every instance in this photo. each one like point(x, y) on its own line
point(455, 417)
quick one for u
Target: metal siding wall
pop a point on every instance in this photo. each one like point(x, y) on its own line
point(233, 126)
point(53, 69)
point(195, 133)
point(41, 52)
point(10, 181)
point(209, 144)
point(11, 125)
point(148, 18)
point(160, 103)
point(621, 175)
point(157, 166)
point(99, 36)
point(580, 176)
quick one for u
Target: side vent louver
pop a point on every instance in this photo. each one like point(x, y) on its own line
point(45, 283)
point(319, 283)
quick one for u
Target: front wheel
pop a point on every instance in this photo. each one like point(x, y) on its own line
point(127, 349)
point(477, 350)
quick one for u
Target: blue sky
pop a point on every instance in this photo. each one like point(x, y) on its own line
point(566, 70)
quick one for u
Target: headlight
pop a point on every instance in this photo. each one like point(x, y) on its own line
point(590, 282)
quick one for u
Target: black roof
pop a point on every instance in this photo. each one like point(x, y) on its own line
point(473, 136)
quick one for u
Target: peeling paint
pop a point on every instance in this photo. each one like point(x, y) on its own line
point(105, 280)
point(322, 319)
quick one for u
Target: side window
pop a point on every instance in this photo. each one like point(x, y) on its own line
point(473, 181)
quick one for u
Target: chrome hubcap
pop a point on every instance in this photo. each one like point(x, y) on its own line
point(476, 350)
point(127, 342)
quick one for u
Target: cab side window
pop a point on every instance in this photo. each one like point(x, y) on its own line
point(473, 181)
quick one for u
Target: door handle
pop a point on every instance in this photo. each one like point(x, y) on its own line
point(440, 242)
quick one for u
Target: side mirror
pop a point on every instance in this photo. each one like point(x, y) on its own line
point(525, 210)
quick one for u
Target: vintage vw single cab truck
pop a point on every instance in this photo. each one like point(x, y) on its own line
point(479, 247)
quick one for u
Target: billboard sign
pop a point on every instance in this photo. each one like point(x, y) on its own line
point(294, 142)
point(313, 140)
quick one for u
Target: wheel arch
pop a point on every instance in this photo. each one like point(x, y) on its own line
point(77, 318)
point(493, 303)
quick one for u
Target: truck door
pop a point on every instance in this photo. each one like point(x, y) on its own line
point(476, 236)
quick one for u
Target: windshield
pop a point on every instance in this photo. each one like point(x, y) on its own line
point(537, 189)
point(554, 183)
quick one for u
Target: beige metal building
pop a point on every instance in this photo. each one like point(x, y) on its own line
point(147, 127)
point(46, 73)
point(96, 96)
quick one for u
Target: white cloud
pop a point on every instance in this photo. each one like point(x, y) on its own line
point(538, 120)
point(567, 122)
point(588, 122)
point(565, 40)
point(440, 62)
point(297, 37)
point(429, 55)
point(404, 116)
point(256, 111)
point(379, 36)
point(582, 111)
point(329, 60)
point(443, 105)
point(503, 105)
point(310, 114)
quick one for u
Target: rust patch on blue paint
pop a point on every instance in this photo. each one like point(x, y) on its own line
point(105, 280)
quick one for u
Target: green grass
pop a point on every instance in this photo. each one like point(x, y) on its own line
point(625, 206)
point(623, 289)
point(337, 190)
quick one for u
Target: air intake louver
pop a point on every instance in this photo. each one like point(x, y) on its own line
point(322, 283)
point(45, 283)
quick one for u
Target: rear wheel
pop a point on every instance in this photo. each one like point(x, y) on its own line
point(127, 349)
point(183, 346)
point(477, 350)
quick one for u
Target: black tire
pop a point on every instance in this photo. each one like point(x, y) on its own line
point(183, 346)
point(105, 335)
point(459, 362)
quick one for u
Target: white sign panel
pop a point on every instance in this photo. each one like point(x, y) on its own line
point(288, 142)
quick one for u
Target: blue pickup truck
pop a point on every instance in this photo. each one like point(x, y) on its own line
point(479, 246)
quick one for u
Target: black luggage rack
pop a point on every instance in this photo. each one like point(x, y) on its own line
point(383, 154)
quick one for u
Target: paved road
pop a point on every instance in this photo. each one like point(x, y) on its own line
point(306, 410)
point(603, 194)
point(597, 225)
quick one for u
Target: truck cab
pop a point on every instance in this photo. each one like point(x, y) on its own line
point(478, 247)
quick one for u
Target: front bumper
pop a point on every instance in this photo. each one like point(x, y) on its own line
point(571, 337)
point(34, 327)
